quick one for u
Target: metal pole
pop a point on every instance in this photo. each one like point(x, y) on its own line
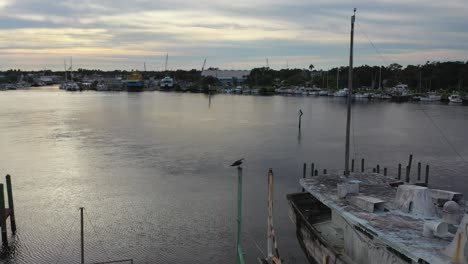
point(239, 257)
point(82, 235)
point(270, 215)
point(350, 93)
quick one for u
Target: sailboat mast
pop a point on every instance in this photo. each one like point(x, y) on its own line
point(380, 77)
point(167, 58)
point(337, 78)
point(350, 94)
point(65, 67)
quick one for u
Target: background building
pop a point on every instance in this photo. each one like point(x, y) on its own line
point(228, 77)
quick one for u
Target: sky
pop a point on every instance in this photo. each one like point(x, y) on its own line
point(239, 34)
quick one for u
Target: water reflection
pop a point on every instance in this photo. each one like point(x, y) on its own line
point(152, 168)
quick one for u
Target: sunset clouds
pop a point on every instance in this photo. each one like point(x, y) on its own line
point(230, 34)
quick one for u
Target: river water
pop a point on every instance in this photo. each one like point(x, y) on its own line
point(152, 168)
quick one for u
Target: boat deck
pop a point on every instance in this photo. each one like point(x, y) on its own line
point(396, 229)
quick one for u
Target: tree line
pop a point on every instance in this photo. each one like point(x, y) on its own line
point(431, 76)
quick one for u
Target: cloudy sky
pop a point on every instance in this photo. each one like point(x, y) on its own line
point(230, 34)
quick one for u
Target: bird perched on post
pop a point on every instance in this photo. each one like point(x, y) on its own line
point(237, 163)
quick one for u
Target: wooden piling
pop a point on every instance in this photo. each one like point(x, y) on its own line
point(10, 204)
point(374, 170)
point(324, 171)
point(378, 168)
point(352, 165)
point(399, 171)
point(316, 172)
point(304, 171)
point(407, 179)
point(408, 168)
point(3, 216)
point(362, 165)
point(419, 171)
point(300, 117)
point(312, 167)
point(82, 235)
point(426, 180)
point(385, 171)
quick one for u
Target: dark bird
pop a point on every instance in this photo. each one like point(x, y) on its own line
point(237, 163)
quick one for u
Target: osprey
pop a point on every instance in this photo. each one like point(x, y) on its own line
point(237, 162)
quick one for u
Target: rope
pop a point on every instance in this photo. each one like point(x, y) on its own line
point(372, 44)
point(97, 237)
point(255, 243)
point(442, 134)
point(68, 240)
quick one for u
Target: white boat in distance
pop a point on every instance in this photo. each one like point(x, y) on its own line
point(361, 95)
point(430, 97)
point(455, 98)
point(341, 93)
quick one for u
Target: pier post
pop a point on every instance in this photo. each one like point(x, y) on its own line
point(385, 171)
point(324, 171)
point(407, 179)
point(82, 235)
point(312, 167)
point(378, 168)
point(3, 216)
point(300, 117)
point(408, 168)
point(304, 171)
point(399, 171)
point(419, 171)
point(374, 170)
point(10, 204)
point(316, 172)
point(352, 165)
point(426, 180)
point(362, 165)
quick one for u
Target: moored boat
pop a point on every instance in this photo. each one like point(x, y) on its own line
point(430, 97)
point(167, 83)
point(134, 82)
point(341, 93)
point(369, 218)
point(455, 98)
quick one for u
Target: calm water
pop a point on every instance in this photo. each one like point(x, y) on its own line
point(152, 169)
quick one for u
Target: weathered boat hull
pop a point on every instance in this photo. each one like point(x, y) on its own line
point(304, 210)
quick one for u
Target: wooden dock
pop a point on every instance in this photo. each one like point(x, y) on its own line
point(7, 212)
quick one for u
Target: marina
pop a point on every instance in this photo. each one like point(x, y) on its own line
point(260, 141)
point(164, 158)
